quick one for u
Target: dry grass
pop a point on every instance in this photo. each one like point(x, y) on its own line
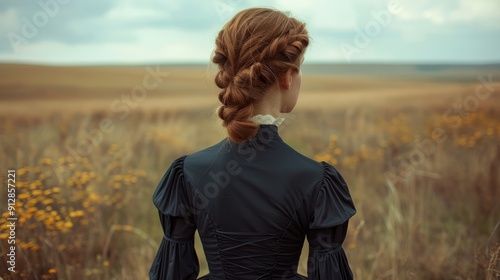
point(84, 194)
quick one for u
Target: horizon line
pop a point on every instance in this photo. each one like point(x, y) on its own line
point(307, 63)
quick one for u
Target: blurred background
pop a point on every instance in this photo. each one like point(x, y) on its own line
point(97, 98)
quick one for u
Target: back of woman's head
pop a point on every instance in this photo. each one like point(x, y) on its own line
point(254, 49)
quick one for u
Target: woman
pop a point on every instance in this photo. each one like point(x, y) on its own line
point(252, 198)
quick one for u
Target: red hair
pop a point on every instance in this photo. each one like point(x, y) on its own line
point(253, 49)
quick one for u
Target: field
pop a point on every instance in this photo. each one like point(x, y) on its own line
point(419, 149)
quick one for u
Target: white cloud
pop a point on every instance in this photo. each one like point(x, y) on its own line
point(322, 14)
point(128, 12)
point(479, 12)
point(153, 45)
point(487, 11)
point(9, 21)
point(129, 31)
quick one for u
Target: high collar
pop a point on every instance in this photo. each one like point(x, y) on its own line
point(267, 119)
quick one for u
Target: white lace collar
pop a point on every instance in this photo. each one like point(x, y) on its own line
point(267, 119)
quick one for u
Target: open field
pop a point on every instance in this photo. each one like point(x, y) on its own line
point(421, 153)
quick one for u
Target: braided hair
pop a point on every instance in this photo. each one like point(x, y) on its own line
point(254, 49)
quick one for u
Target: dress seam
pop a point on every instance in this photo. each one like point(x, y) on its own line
point(318, 184)
point(210, 222)
point(308, 193)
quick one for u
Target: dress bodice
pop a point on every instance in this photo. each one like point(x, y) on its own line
point(253, 205)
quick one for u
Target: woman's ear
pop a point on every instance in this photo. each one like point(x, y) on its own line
point(285, 81)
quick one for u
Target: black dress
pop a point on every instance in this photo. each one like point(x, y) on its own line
point(253, 204)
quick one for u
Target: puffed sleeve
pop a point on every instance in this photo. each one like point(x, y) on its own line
point(176, 258)
point(332, 209)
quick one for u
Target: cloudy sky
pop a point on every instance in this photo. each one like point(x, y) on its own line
point(153, 31)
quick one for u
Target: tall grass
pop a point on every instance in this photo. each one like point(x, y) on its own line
point(89, 215)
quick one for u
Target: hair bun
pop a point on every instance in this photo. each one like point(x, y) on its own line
point(254, 48)
point(222, 79)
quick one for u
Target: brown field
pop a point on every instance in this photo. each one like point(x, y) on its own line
point(421, 156)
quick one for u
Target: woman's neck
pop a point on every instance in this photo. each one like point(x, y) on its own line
point(270, 104)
